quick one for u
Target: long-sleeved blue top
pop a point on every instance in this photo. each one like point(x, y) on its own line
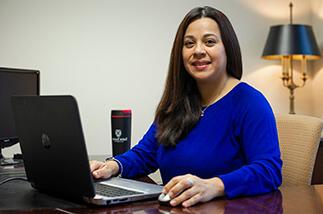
point(236, 140)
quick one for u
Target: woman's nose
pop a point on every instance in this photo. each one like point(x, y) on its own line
point(199, 51)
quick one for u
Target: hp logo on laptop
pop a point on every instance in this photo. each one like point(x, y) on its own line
point(45, 141)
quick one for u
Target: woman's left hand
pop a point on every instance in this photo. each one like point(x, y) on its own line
point(189, 189)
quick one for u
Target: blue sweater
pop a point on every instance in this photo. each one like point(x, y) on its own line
point(236, 140)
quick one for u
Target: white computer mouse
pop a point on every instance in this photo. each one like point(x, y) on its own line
point(164, 199)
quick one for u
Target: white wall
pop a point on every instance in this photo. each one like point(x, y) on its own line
point(114, 54)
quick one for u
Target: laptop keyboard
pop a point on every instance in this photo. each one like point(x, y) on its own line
point(112, 191)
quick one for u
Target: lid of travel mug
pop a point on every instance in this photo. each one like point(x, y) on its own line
point(121, 113)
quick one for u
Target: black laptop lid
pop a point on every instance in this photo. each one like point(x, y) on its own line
point(52, 144)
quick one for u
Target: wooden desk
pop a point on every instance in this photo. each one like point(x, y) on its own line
point(300, 199)
point(20, 196)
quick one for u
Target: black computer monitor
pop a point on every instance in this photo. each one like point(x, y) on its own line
point(14, 81)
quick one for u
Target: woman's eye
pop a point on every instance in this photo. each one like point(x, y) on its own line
point(210, 42)
point(188, 44)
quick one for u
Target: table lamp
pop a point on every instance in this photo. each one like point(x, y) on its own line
point(288, 43)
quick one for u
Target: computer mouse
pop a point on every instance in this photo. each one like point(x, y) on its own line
point(164, 199)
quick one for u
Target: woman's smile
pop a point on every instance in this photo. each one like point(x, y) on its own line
point(201, 65)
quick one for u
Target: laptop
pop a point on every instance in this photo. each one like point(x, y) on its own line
point(55, 155)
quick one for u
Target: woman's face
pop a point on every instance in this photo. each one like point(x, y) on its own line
point(203, 52)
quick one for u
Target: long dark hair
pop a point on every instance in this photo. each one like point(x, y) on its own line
point(180, 106)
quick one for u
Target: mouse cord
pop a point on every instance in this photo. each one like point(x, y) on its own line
point(13, 179)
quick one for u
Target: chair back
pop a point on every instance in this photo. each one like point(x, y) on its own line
point(299, 138)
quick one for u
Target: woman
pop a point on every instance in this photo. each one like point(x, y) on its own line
point(212, 134)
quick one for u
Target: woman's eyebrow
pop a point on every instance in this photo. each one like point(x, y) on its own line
point(205, 35)
point(188, 37)
point(211, 34)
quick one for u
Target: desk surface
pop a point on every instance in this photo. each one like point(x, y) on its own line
point(19, 195)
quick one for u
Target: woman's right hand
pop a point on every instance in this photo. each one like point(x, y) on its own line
point(104, 169)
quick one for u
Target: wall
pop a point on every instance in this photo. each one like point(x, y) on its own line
point(114, 54)
point(317, 18)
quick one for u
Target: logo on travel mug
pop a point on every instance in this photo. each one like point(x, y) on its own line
point(120, 131)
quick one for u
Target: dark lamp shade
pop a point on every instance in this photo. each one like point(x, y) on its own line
point(292, 39)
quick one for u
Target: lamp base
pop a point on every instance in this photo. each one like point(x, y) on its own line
point(291, 100)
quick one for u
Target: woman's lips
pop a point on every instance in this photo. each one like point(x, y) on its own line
point(201, 65)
